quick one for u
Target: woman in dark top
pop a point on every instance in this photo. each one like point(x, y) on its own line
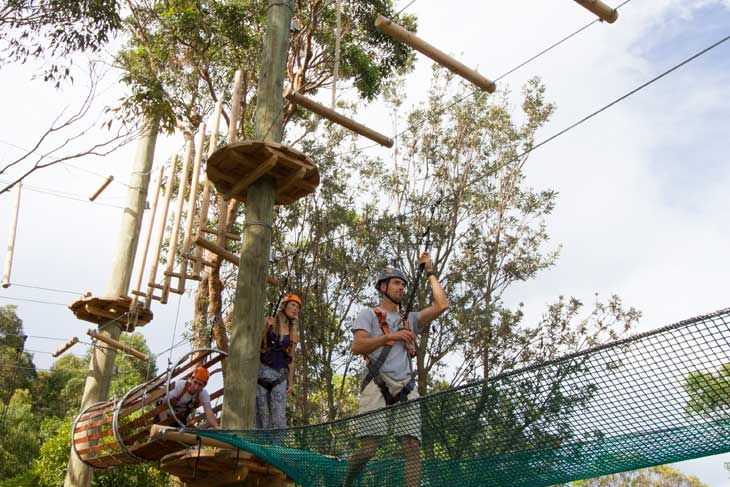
point(278, 345)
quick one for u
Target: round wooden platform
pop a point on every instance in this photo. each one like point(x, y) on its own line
point(213, 467)
point(235, 167)
point(102, 309)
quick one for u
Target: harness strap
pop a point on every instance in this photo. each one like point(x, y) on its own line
point(270, 384)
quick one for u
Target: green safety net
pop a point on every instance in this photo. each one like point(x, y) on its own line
point(655, 398)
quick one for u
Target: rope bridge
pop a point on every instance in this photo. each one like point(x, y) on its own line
point(656, 398)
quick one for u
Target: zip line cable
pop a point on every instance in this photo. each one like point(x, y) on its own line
point(33, 301)
point(64, 291)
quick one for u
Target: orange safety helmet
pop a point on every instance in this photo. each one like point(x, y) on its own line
point(201, 374)
point(291, 297)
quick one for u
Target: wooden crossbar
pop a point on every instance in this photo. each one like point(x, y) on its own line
point(254, 175)
point(103, 186)
point(8, 266)
point(118, 345)
point(218, 250)
point(603, 11)
point(397, 32)
point(159, 432)
point(73, 341)
point(229, 235)
point(339, 119)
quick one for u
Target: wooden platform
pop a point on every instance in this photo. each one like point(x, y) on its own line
point(213, 467)
point(235, 167)
point(102, 309)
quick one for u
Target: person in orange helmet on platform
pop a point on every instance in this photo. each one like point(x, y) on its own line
point(186, 396)
point(278, 346)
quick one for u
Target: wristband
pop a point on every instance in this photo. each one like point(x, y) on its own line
point(429, 274)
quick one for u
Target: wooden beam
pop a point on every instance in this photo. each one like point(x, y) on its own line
point(103, 186)
point(226, 255)
point(218, 250)
point(339, 119)
point(160, 233)
point(180, 276)
point(297, 176)
point(396, 31)
point(603, 11)
point(7, 268)
point(253, 176)
point(118, 345)
point(60, 350)
point(162, 433)
point(229, 235)
point(144, 295)
point(172, 250)
point(236, 97)
point(192, 198)
point(205, 199)
point(148, 234)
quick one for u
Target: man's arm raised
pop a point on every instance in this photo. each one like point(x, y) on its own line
point(440, 302)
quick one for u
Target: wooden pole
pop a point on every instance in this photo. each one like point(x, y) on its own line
point(148, 236)
point(398, 32)
point(166, 433)
point(101, 365)
point(340, 119)
point(151, 284)
point(172, 250)
point(235, 108)
point(203, 221)
point(187, 242)
point(103, 186)
point(218, 250)
point(116, 344)
point(603, 11)
point(8, 267)
point(249, 303)
point(60, 350)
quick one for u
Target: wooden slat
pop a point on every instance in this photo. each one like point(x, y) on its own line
point(295, 178)
point(253, 176)
point(218, 174)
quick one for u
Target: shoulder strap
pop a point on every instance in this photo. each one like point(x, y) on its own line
point(375, 365)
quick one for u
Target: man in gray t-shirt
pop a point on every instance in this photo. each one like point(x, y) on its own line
point(389, 378)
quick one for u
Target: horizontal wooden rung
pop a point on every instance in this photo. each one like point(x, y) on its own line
point(122, 347)
point(339, 119)
point(144, 295)
point(179, 276)
point(603, 11)
point(229, 235)
point(397, 32)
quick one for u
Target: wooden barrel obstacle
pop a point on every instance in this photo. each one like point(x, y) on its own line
point(117, 432)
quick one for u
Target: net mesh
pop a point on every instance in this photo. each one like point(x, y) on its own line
point(656, 398)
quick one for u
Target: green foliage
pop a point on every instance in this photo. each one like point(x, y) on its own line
point(18, 434)
point(709, 392)
point(56, 29)
point(661, 476)
point(181, 55)
point(16, 366)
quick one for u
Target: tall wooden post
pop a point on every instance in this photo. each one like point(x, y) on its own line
point(248, 310)
point(102, 359)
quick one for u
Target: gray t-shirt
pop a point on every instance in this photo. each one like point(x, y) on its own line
point(396, 365)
